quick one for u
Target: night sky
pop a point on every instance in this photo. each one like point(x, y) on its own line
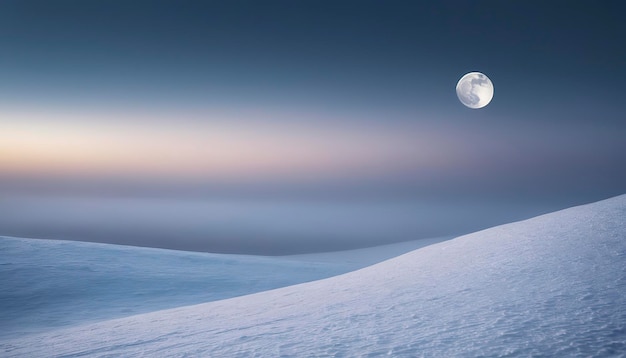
point(340, 100)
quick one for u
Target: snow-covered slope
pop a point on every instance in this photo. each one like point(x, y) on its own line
point(554, 285)
point(47, 284)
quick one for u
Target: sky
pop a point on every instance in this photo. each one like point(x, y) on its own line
point(306, 100)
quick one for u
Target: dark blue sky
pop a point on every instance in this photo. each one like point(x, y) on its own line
point(342, 53)
point(557, 65)
point(396, 54)
point(312, 98)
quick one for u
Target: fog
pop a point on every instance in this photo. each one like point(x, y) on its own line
point(252, 226)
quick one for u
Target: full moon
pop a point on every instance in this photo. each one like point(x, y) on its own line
point(474, 90)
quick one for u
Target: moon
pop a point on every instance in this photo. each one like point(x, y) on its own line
point(474, 90)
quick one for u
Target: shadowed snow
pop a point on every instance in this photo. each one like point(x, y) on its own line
point(47, 284)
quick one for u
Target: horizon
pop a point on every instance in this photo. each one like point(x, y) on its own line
point(273, 102)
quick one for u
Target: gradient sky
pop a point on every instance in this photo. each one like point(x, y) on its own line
point(307, 97)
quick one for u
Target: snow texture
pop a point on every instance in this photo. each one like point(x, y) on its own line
point(554, 285)
point(47, 284)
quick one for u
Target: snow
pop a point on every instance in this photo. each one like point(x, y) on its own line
point(47, 284)
point(554, 285)
point(359, 258)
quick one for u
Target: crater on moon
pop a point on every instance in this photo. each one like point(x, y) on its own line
point(474, 90)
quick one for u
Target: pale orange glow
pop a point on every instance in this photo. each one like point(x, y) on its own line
point(40, 144)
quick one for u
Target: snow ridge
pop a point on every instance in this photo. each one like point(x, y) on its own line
point(51, 284)
point(554, 285)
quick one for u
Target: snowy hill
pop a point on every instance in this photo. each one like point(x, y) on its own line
point(554, 285)
point(47, 284)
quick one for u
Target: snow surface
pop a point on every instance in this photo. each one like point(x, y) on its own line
point(554, 285)
point(47, 284)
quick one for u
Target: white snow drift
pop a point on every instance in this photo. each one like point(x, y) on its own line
point(49, 284)
point(554, 285)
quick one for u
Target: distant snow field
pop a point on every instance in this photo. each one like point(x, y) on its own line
point(554, 285)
